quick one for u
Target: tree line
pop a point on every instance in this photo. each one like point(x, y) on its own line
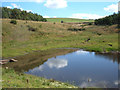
point(109, 20)
point(20, 14)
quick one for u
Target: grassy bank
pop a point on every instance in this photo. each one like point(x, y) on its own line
point(20, 39)
point(12, 79)
point(34, 59)
point(67, 20)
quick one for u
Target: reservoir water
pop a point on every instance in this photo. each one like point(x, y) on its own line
point(81, 68)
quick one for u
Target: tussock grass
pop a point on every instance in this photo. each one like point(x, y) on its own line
point(12, 79)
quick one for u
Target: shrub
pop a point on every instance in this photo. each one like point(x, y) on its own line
point(20, 14)
point(90, 23)
point(76, 29)
point(32, 28)
point(61, 21)
point(13, 21)
point(99, 34)
point(40, 26)
point(82, 29)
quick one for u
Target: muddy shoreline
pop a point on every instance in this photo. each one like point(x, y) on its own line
point(31, 60)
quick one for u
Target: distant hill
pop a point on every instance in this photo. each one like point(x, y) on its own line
point(68, 20)
point(109, 20)
point(20, 14)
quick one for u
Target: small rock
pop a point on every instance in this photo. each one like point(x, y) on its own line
point(12, 60)
point(89, 79)
point(110, 45)
point(27, 80)
point(1, 80)
point(87, 40)
point(52, 80)
point(6, 67)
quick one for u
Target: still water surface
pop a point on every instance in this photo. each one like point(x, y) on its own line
point(81, 68)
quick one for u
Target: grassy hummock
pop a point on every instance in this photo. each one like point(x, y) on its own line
point(12, 79)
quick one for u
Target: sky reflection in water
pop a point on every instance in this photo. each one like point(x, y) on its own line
point(81, 68)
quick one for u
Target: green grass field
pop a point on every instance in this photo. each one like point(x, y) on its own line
point(18, 39)
point(68, 20)
point(12, 79)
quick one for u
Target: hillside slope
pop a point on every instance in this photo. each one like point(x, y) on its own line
point(28, 36)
